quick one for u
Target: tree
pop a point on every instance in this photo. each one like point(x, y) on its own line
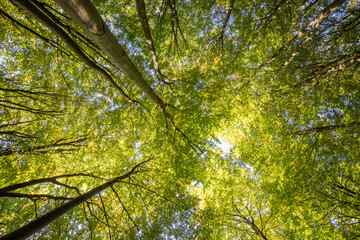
point(36, 225)
point(248, 110)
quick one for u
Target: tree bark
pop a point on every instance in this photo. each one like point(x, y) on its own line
point(39, 223)
point(85, 15)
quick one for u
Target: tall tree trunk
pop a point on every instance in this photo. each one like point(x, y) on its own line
point(85, 15)
point(41, 222)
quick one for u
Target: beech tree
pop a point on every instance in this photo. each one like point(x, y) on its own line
point(239, 118)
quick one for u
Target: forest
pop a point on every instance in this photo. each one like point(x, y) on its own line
point(179, 119)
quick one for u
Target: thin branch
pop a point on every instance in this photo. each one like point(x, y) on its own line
point(106, 215)
point(44, 180)
point(226, 21)
point(316, 21)
point(16, 22)
point(32, 196)
point(49, 23)
point(149, 190)
point(128, 214)
point(87, 219)
point(326, 128)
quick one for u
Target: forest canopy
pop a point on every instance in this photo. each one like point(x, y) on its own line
point(178, 119)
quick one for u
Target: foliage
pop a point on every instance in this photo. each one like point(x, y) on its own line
point(277, 82)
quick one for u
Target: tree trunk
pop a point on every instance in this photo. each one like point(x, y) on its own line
point(85, 15)
point(140, 5)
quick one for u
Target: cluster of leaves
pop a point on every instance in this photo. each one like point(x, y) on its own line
point(277, 80)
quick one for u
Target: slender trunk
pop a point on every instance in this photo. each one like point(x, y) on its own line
point(41, 222)
point(85, 15)
point(145, 26)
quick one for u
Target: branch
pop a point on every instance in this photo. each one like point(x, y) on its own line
point(226, 21)
point(43, 180)
point(87, 219)
point(128, 214)
point(175, 24)
point(17, 123)
point(49, 23)
point(46, 148)
point(338, 68)
point(41, 222)
point(325, 128)
point(316, 21)
point(271, 15)
point(105, 214)
point(149, 190)
point(86, 16)
point(32, 196)
point(49, 41)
